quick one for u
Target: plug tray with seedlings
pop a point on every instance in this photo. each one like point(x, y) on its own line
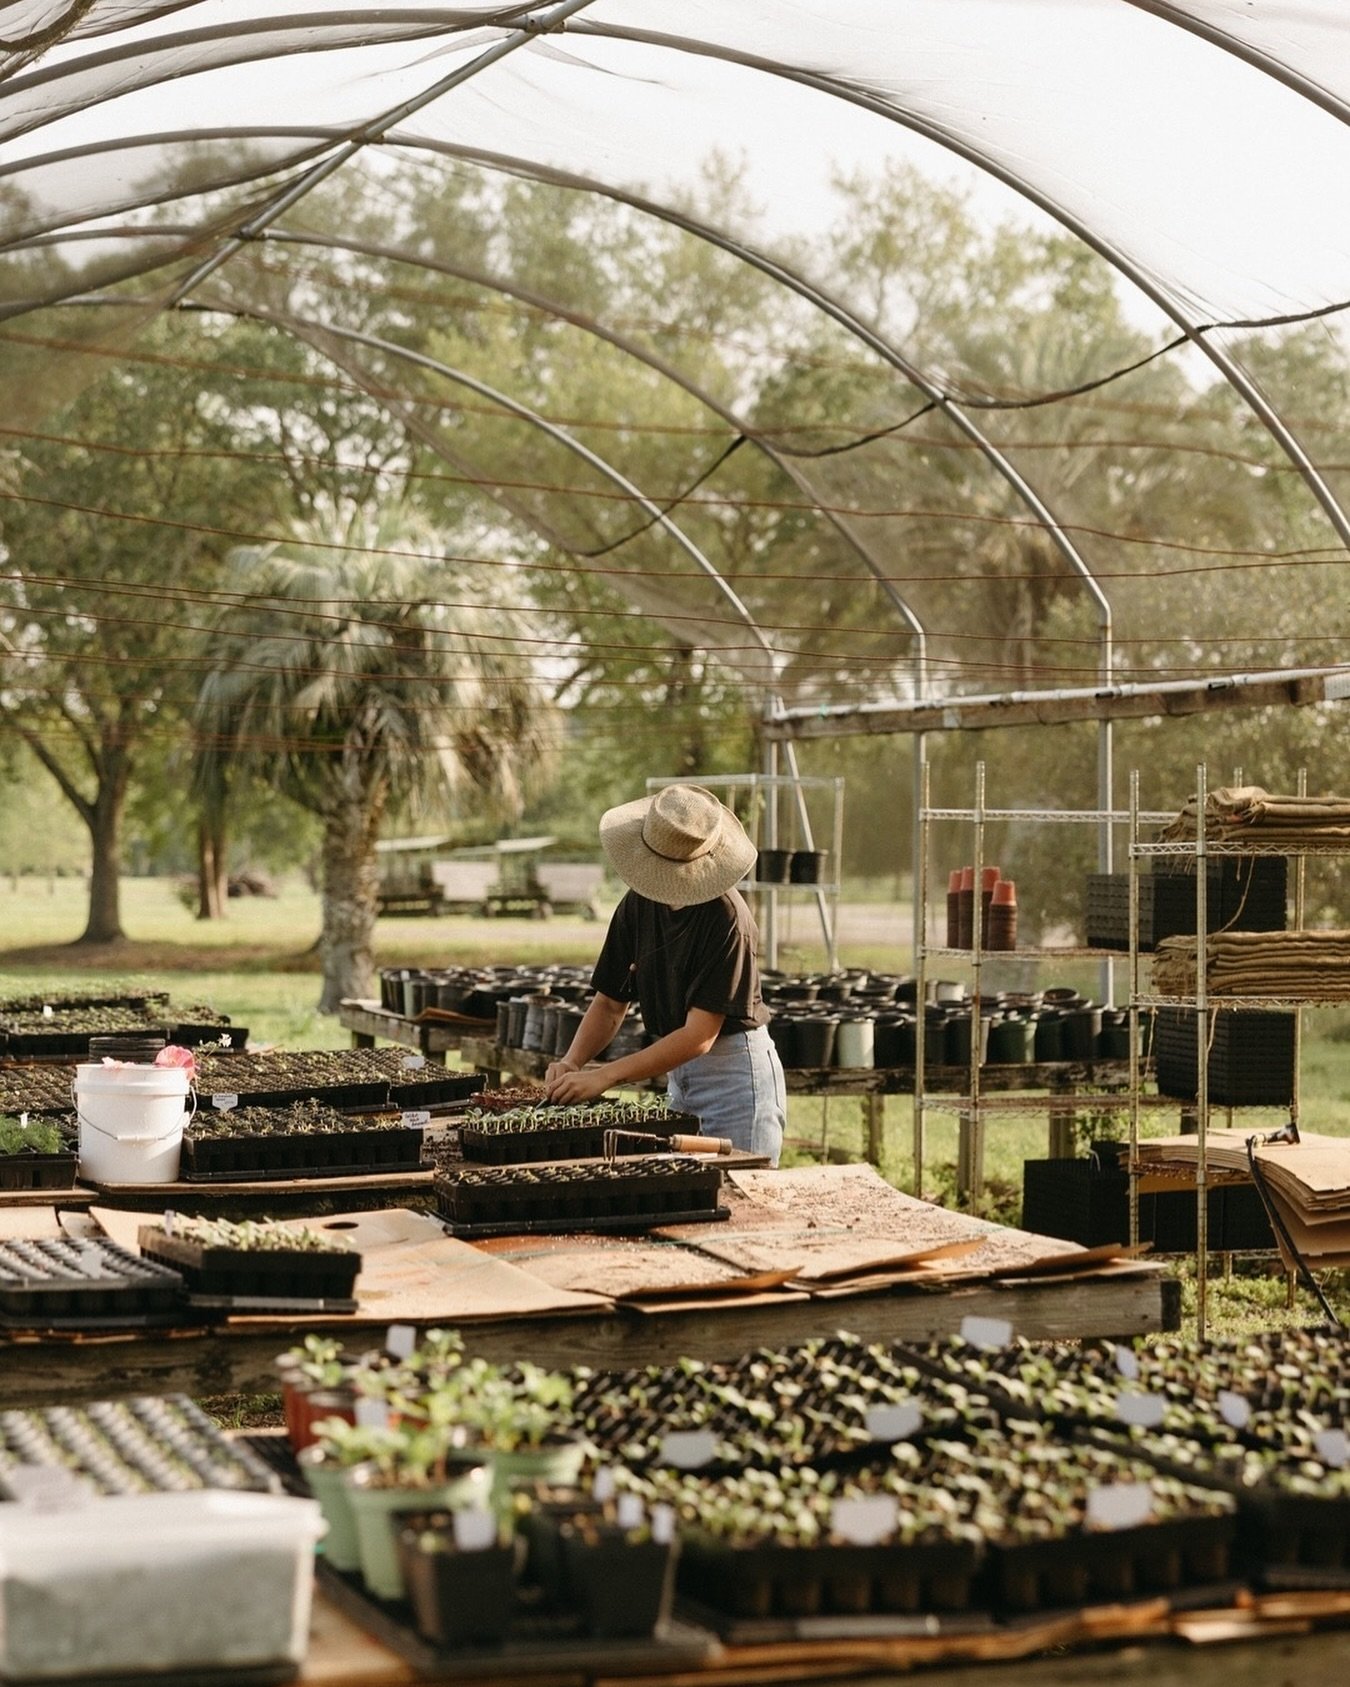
point(45, 1090)
point(632, 1192)
point(432, 1086)
point(61, 1283)
point(341, 1077)
point(141, 1445)
point(249, 1262)
point(34, 1154)
point(306, 1139)
point(824, 1401)
point(528, 1134)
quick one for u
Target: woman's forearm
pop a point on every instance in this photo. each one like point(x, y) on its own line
point(601, 1020)
point(664, 1055)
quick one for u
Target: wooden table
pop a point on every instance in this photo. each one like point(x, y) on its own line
point(234, 1359)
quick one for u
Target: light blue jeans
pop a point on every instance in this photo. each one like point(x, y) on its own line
point(737, 1091)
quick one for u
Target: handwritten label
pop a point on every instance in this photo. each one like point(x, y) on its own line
point(1119, 1505)
point(475, 1531)
point(986, 1332)
point(629, 1511)
point(688, 1449)
point(866, 1521)
point(414, 1062)
point(223, 1102)
point(400, 1340)
point(415, 1116)
point(48, 1011)
point(371, 1414)
point(1233, 1409)
point(895, 1422)
point(170, 1219)
point(1333, 1448)
point(1144, 1410)
point(1127, 1364)
point(48, 1488)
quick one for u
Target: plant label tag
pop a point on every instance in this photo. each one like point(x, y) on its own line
point(371, 1414)
point(23, 1121)
point(867, 1521)
point(170, 1219)
point(400, 1340)
point(663, 1524)
point(986, 1332)
point(48, 1011)
point(1127, 1364)
point(629, 1511)
point(1144, 1410)
point(475, 1531)
point(226, 1041)
point(895, 1422)
point(414, 1062)
point(1233, 1409)
point(223, 1102)
point(1119, 1505)
point(1333, 1448)
point(415, 1116)
point(688, 1449)
point(48, 1488)
point(602, 1488)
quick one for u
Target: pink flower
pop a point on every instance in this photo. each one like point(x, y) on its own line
point(172, 1055)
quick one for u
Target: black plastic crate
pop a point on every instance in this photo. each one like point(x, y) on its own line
point(288, 1274)
point(432, 1085)
point(37, 1171)
point(64, 1283)
point(1242, 894)
point(1251, 1056)
point(1086, 1201)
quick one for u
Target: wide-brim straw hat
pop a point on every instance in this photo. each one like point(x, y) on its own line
point(679, 847)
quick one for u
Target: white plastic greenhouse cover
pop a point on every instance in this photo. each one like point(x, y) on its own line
point(953, 485)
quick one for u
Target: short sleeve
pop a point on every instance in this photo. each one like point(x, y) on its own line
point(723, 976)
point(615, 971)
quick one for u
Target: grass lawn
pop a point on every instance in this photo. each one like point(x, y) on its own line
point(259, 967)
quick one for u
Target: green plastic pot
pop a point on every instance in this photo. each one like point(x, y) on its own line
point(558, 1464)
point(328, 1483)
point(376, 1510)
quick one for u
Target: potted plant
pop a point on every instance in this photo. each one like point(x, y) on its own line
point(618, 1567)
point(461, 1570)
point(520, 1419)
point(34, 1154)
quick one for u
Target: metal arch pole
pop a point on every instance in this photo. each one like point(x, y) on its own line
point(621, 342)
point(1287, 441)
point(1265, 62)
point(539, 23)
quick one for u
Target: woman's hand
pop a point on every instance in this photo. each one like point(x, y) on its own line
point(574, 1086)
point(557, 1069)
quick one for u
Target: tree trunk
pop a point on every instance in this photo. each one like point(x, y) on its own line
point(212, 878)
point(350, 902)
point(105, 830)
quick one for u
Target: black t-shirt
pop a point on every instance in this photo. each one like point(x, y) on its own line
point(669, 960)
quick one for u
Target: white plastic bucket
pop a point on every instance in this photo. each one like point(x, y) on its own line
point(131, 1122)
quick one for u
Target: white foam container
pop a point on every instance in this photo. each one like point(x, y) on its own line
point(131, 1122)
point(156, 1583)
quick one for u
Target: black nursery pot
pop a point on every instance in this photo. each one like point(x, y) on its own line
point(771, 866)
point(807, 866)
point(813, 1039)
point(458, 1598)
point(783, 1032)
point(623, 1589)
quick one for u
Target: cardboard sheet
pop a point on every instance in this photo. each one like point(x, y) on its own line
point(629, 1271)
point(28, 1224)
point(412, 1272)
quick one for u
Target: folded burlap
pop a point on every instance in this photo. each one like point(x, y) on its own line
point(1236, 813)
point(1300, 966)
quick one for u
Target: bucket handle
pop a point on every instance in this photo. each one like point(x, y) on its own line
point(138, 1141)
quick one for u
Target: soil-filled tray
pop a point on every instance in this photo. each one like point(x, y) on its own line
point(535, 1645)
point(147, 1443)
point(546, 1134)
point(59, 1283)
point(430, 1086)
point(273, 1272)
point(37, 1171)
point(580, 1194)
point(342, 1077)
point(769, 1580)
point(305, 1140)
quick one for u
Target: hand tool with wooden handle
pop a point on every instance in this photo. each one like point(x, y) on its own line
point(668, 1144)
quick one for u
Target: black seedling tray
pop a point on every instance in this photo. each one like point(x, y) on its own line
point(430, 1086)
point(1090, 1565)
point(579, 1193)
point(632, 1224)
point(192, 1036)
point(276, 1154)
point(375, 1094)
point(775, 1581)
point(58, 1283)
point(1294, 1540)
point(37, 1171)
point(555, 1142)
point(290, 1274)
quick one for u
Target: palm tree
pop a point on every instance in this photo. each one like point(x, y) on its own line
point(349, 684)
